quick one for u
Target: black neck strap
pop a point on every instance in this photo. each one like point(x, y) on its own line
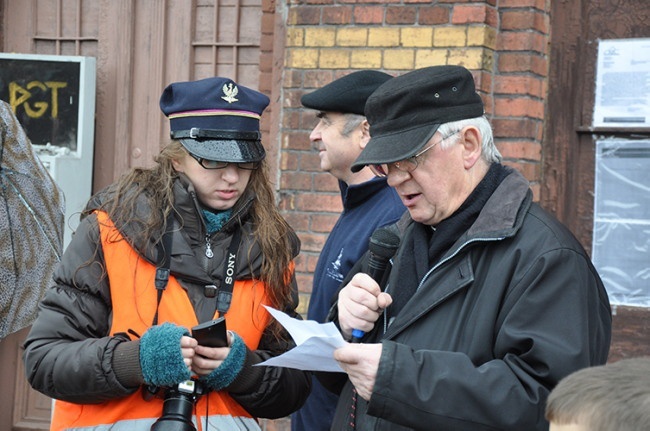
point(224, 298)
point(162, 272)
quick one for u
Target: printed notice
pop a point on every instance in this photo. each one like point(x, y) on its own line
point(623, 83)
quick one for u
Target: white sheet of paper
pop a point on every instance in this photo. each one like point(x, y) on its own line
point(315, 344)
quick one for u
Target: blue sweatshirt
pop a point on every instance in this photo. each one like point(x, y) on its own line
point(366, 207)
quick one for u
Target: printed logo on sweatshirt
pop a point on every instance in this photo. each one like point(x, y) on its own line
point(334, 268)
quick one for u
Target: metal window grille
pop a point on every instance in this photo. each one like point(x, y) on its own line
point(227, 39)
point(65, 27)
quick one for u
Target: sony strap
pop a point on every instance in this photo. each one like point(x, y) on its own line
point(224, 297)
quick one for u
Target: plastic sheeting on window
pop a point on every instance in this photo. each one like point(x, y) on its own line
point(621, 236)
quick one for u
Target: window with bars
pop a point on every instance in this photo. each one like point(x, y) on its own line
point(226, 40)
point(66, 27)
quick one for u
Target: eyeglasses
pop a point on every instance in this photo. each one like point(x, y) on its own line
point(406, 165)
point(216, 164)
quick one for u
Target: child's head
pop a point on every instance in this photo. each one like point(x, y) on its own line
point(613, 397)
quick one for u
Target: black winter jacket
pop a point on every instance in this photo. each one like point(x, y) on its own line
point(514, 306)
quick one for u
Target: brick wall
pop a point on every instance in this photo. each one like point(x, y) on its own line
point(505, 47)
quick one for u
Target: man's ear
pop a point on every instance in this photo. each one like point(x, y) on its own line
point(365, 134)
point(472, 143)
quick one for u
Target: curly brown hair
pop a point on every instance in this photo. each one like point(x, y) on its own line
point(270, 229)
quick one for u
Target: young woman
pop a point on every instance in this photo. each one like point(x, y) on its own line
point(194, 238)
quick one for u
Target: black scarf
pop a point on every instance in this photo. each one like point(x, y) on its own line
point(426, 246)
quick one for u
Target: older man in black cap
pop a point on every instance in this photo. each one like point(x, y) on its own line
point(490, 301)
point(368, 203)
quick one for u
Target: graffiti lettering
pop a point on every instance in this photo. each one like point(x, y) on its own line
point(19, 96)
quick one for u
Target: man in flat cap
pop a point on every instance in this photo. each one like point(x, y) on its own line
point(490, 301)
point(368, 203)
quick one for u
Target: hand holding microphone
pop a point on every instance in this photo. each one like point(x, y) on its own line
point(382, 246)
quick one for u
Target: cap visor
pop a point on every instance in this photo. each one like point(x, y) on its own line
point(235, 151)
point(394, 147)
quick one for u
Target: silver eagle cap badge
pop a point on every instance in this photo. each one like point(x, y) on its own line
point(230, 92)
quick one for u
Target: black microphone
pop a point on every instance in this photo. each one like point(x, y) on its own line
point(382, 246)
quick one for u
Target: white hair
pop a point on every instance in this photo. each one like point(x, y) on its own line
point(489, 153)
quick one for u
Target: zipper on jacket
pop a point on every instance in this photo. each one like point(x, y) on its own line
point(454, 254)
point(208, 247)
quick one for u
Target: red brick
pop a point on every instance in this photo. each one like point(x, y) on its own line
point(324, 182)
point(370, 1)
point(529, 170)
point(520, 150)
point(518, 107)
point(465, 14)
point(292, 98)
point(492, 16)
point(515, 127)
point(433, 15)
point(308, 119)
point(483, 81)
point(337, 15)
point(522, 62)
point(309, 161)
point(292, 79)
point(285, 201)
point(292, 119)
point(304, 15)
point(296, 141)
point(400, 15)
point(312, 241)
point(317, 202)
point(517, 84)
point(323, 222)
point(317, 78)
point(522, 41)
point(524, 20)
point(290, 160)
point(535, 187)
point(266, 63)
point(298, 221)
point(304, 282)
point(266, 44)
point(313, 261)
point(295, 180)
point(268, 23)
point(301, 263)
point(538, 4)
point(268, 6)
point(369, 14)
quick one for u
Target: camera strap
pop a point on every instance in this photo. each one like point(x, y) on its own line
point(162, 272)
point(224, 297)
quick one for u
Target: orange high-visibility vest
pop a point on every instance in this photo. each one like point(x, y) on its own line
point(134, 297)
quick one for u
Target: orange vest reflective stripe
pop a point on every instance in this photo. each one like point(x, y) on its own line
point(134, 298)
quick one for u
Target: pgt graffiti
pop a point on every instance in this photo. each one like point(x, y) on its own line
point(47, 94)
point(44, 95)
